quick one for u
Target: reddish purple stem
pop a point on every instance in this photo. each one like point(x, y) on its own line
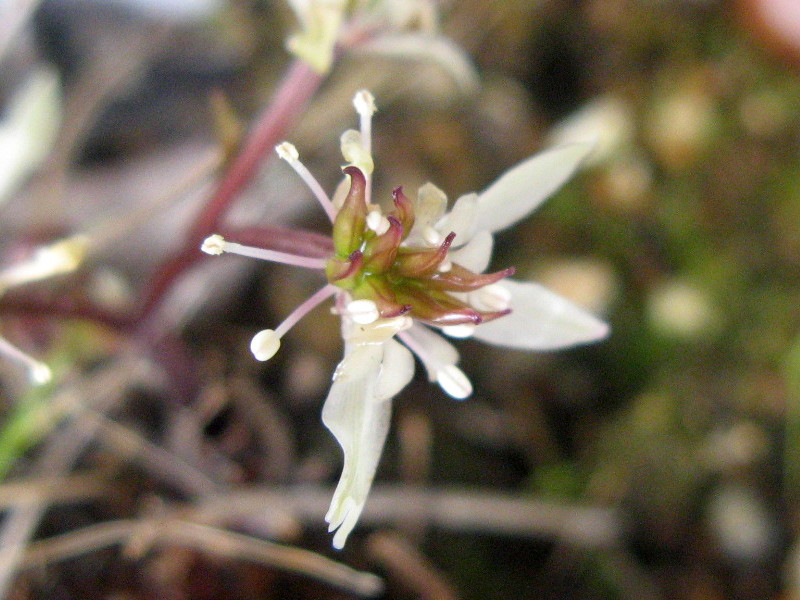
point(291, 98)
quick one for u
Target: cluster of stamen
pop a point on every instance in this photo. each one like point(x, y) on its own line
point(376, 273)
point(373, 262)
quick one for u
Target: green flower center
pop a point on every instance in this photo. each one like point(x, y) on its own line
point(371, 262)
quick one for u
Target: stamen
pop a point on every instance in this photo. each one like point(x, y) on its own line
point(450, 378)
point(216, 245)
point(267, 342)
point(289, 153)
point(38, 372)
point(364, 103)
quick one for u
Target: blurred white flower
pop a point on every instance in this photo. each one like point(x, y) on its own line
point(29, 129)
point(58, 258)
point(320, 21)
point(409, 272)
point(403, 29)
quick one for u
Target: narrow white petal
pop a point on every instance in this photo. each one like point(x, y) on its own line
point(476, 254)
point(522, 189)
point(540, 320)
point(361, 362)
point(359, 423)
point(357, 412)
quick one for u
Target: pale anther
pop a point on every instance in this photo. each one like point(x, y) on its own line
point(214, 245)
point(265, 344)
point(454, 382)
point(377, 222)
point(459, 331)
point(364, 103)
point(445, 266)
point(40, 373)
point(363, 312)
point(287, 152)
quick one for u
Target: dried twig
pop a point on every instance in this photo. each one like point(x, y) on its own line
point(51, 490)
point(145, 533)
point(456, 509)
point(291, 97)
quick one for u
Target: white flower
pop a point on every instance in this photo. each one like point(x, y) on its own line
point(60, 257)
point(395, 29)
point(406, 274)
point(320, 21)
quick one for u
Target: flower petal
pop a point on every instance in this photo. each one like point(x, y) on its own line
point(29, 129)
point(522, 189)
point(320, 21)
point(357, 412)
point(476, 254)
point(461, 220)
point(540, 320)
point(359, 422)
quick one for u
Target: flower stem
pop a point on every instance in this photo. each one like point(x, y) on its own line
point(291, 98)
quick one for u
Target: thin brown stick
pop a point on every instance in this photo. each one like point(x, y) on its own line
point(238, 546)
point(455, 509)
point(146, 533)
point(51, 490)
